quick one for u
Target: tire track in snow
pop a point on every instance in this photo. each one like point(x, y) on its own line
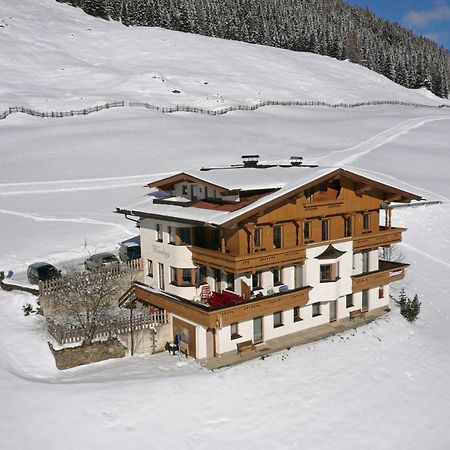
point(80, 220)
point(378, 140)
point(427, 255)
point(73, 185)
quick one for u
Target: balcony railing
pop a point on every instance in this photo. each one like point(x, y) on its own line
point(388, 272)
point(386, 236)
point(250, 262)
point(225, 315)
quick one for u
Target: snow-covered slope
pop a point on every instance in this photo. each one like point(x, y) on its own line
point(382, 387)
point(56, 56)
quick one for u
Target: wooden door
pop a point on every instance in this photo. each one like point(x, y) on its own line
point(187, 334)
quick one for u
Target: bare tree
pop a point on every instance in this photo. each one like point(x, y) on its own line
point(87, 299)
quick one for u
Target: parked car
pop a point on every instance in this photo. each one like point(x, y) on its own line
point(98, 260)
point(42, 271)
point(129, 251)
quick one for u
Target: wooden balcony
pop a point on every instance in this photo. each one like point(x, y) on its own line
point(383, 238)
point(388, 272)
point(217, 318)
point(247, 263)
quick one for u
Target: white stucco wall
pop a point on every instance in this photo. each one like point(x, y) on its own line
point(169, 255)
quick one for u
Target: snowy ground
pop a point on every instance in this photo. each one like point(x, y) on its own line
point(384, 386)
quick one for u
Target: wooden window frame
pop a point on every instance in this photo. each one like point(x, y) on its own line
point(348, 231)
point(307, 228)
point(280, 228)
point(257, 237)
point(234, 331)
point(314, 306)
point(258, 286)
point(177, 277)
point(366, 216)
point(349, 301)
point(278, 319)
point(326, 230)
point(279, 282)
point(296, 312)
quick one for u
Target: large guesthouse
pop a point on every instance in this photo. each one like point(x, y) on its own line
point(246, 254)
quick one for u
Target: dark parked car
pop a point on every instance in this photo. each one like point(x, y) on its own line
point(98, 260)
point(42, 271)
point(129, 251)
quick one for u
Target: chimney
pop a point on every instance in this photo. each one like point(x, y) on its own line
point(296, 160)
point(250, 160)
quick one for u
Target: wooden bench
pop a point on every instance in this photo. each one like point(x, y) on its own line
point(184, 348)
point(245, 346)
point(356, 314)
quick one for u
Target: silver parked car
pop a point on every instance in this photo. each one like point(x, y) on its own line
point(98, 260)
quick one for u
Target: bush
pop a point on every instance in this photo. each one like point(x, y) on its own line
point(27, 309)
point(409, 309)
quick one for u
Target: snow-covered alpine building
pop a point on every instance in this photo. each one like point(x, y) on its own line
point(245, 254)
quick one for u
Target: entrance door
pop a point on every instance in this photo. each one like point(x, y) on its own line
point(365, 300)
point(333, 311)
point(257, 330)
point(210, 343)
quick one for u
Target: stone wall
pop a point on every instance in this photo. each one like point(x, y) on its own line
point(88, 353)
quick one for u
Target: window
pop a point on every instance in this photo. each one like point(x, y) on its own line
point(186, 277)
point(256, 281)
point(229, 279)
point(329, 272)
point(234, 331)
point(161, 281)
point(149, 268)
point(366, 221)
point(381, 292)
point(159, 235)
point(173, 275)
point(325, 230)
point(185, 189)
point(347, 226)
point(202, 274)
point(277, 236)
point(297, 317)
point(217, 280)
point(349, 300)
point(307, 231)
point(276, 276)
point(325, 272)
point(171, 235)
point(277, 319)
point(257, 237)
point(184, 236)
point(316, 309)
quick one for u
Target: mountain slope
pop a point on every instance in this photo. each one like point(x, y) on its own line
point(55, 56)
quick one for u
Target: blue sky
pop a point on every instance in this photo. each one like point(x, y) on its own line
point(429, 18)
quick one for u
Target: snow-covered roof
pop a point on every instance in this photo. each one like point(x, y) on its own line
point(283, 180)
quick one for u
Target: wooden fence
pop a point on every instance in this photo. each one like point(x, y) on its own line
point(134, 266)
point(54, 114)
point(209, 111)
point(65, 334)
